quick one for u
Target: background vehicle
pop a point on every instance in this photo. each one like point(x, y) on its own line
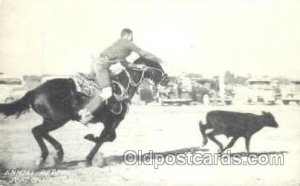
point(207, 91)
point(262, 91)
point(176, 93)
point(291, 93)
point(11, 88)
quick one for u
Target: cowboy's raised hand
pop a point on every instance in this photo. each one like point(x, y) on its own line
point(160, 61)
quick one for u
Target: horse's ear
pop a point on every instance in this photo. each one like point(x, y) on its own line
point(264, 113)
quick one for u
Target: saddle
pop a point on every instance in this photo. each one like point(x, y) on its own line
point(87, 87)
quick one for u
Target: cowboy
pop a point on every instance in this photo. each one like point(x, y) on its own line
point(117, 52)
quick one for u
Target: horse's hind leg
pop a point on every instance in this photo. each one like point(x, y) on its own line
point(38, 135)
point(58, 147)
point(41, 132)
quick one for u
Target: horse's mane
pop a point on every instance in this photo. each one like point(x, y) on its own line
point(149, 63)
point(140, 60)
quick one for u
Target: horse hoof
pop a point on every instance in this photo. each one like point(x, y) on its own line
point(40, 162)
point(58, 156)
point(90, 137)
point(88, 163)
point(58, 160)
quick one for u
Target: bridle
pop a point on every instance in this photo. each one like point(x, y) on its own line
point(163, 74)
point(131, 81)
point(136, 84)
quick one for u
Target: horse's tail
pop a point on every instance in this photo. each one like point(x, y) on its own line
point(202, 130)
point(17, 107)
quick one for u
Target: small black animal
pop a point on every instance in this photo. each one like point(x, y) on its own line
point(234, 124)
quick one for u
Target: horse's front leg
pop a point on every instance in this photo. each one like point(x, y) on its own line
point(107, 135)
point(90, 156)
point(110, 136)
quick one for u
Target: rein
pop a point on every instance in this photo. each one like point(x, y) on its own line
point(125, 91)
point(130, 80)
point(163, 74)
point(135, 84)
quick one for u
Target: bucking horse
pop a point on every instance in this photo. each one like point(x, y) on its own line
point(58, 101)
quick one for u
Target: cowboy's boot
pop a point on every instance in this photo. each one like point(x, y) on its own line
point(86, 114)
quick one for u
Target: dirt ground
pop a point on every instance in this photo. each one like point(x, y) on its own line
point(168, 129)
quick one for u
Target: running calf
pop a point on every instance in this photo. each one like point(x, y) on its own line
point(234, 124)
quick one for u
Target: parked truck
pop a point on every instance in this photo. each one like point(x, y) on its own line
point(291, 93)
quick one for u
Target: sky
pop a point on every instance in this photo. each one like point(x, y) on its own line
point(257, 37)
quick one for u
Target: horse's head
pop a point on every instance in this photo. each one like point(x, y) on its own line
point(155, 72)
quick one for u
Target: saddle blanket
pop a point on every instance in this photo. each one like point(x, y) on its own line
point(85, 84)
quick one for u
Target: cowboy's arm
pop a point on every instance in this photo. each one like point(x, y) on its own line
point(126, 64)
point(132, 66)
point(144, 54)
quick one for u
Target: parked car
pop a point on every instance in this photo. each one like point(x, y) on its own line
point(175, 93)
point(222, 98)
point(291, 93)
point(207, 91)
point(11, 88)
point(262, 91)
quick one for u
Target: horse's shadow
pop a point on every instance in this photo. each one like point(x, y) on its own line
point(119, 159)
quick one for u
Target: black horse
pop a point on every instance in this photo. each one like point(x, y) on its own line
point(58, 102)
